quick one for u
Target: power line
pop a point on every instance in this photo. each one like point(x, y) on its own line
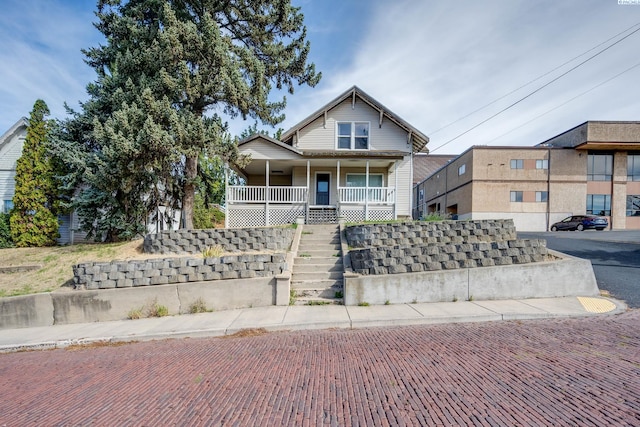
point(535, 91)
point(530, 82)
point(566, 102)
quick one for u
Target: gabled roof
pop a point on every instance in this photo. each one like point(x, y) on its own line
point(267, 138)
point(424, 165)
point(418, 139)
point(6, 137)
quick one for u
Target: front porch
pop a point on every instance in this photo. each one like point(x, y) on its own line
point(331, 191)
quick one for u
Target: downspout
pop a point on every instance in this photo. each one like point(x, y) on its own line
point(338, 188)
point(395, 191)
point(548, 188)
point(308, 191)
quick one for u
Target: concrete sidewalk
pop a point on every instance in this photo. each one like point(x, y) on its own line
point(279, 318)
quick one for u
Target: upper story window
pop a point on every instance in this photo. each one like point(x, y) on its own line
point(633, 167)
point(462, 169)
point(516, 196)
point(542, 164)
point(517, 164)
point(353, 136)
point(599, 167)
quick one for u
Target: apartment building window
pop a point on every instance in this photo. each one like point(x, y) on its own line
point(633, 205)
point(462, 169)
point(517, 164)
point(542, 196)
point(599, 204)
point(542, 164)
point(352, 135)
point(599, 167)
point(633, 167)
point(516, 196)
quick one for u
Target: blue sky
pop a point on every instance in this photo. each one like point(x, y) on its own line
point(431, 62)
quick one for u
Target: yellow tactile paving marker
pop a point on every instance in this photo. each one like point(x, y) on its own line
point(596, 305)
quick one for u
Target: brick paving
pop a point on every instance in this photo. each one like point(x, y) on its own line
point(570, 372)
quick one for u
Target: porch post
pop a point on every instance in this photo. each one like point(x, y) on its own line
point(226, 195)
point(395, 190)
point(366, 194)
point(338, 186)
point(308, 191)
point(266, 195)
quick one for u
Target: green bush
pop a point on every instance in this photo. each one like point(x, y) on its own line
point(5, 231)
point(204, 217)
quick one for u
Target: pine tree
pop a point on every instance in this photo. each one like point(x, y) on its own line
point(33, 222)
point(167, 70)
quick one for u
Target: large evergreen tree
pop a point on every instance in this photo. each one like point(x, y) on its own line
point(166, 72)
point(33, 218)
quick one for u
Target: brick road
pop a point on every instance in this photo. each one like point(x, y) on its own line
point(583, 372)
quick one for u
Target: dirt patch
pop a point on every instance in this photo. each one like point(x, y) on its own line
point(244, 333)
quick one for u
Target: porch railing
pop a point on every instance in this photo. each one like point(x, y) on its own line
point(257, 194)
point(379, 195)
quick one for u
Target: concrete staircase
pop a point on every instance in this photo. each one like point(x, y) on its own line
point(317, 270)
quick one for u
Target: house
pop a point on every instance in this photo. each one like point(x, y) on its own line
point(350, 159)
point(10, 150)
point(593, 168)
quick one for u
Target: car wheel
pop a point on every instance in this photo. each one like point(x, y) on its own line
point(554, 228)
point(599, 229)
point(580, 227)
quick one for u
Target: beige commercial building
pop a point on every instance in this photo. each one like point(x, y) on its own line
point(593, 168)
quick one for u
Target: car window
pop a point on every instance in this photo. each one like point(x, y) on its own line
point(567, 219)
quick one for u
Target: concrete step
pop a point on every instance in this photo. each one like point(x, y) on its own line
point(320, 253)
point(315, 246)
point(318, 284)
point(318, 301)
point(318, 275)
point(326, 293)
point(333, 240)
point(331, 260)
point(317, 268)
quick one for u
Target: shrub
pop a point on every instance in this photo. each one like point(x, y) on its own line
point(5, 231)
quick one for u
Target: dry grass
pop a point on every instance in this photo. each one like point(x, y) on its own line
point(56, 264)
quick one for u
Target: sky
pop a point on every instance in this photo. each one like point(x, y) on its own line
point(463, 72)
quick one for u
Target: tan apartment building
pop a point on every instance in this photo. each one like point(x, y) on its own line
point(593, 168)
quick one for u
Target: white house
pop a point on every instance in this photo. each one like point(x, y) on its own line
point(10, 151)
point(351, 159)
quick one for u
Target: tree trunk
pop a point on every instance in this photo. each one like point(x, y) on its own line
point(188, 200)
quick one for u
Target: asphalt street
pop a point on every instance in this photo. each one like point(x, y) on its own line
point(615, 256)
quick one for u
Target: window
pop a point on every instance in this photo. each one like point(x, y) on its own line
point(421, 195)
point(599, 204)
point(633, 205)
point(516, 196)
point(599, 167)
point(7, 206)
point(633, 167)
point(462, 169)
point(517, 164)
point(353, 136)
point(542, 196)
point(542, 164)
point(360, 180)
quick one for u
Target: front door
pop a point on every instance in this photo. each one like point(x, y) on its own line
point(322, 188)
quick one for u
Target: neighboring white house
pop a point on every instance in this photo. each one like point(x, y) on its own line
point(10, 151)
point(351, 159)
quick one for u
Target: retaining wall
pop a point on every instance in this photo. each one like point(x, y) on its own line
point(231, 240)
point(134, 273)
point(426, 233)
point(411, 259)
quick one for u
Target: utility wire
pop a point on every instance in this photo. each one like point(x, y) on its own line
point(566, 102)
point(530, 82)
point(535, 91)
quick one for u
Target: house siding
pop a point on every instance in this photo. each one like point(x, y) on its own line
point(317, 136)
point(10, 152)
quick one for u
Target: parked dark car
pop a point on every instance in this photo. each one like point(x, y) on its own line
point(581, 222)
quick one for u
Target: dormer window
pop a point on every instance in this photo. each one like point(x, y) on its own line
point(352, 136)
